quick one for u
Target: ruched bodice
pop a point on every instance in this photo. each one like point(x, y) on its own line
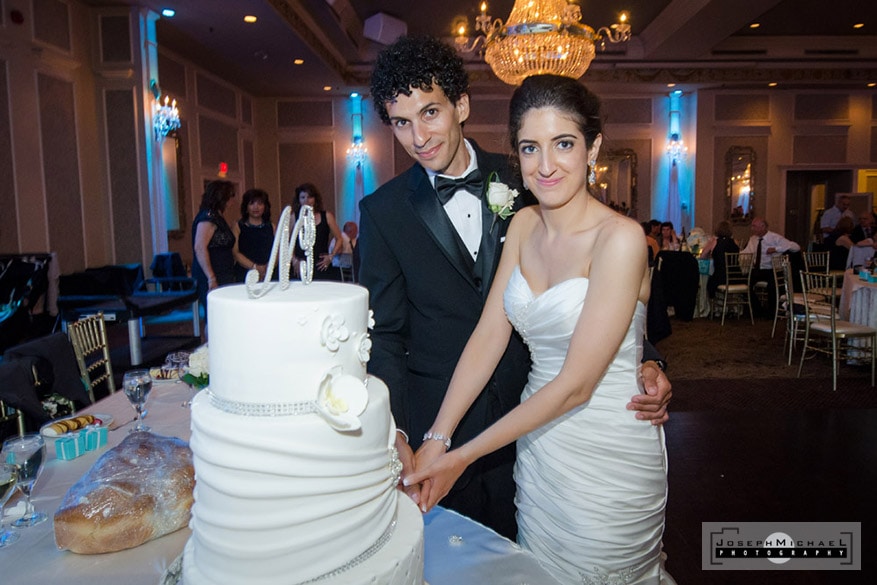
point(591, 485)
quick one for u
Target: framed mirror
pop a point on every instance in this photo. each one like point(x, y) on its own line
point(740, 184)
point(616, 180)
point(174, 188)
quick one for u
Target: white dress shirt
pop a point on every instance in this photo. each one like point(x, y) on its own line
point(770, 240)
point(832, 215)
point(464, 208)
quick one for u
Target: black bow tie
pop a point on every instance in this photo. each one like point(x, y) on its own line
point(446, 187)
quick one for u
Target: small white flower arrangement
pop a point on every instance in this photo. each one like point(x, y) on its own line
point(341, 399)
point(198, 372)
point(500, 198)
point(697, 239)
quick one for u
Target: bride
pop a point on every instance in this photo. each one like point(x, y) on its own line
point(573, 281)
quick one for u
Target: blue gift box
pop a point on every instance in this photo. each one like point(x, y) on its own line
point(72, 445)
point(95, 437)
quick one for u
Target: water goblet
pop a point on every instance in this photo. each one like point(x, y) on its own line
point(137, 384)
point(8, 479)
point(26, 453)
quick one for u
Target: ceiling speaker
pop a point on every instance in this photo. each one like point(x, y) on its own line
point(383, 28)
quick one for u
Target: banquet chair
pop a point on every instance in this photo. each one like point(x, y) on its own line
point(89, 339)
point(780, 310)
point(794, 307)
point(816, 261)
point(833, 332)
point(9, 414)
point(734, 292)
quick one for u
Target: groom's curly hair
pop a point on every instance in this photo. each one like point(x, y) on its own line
point(416, 63)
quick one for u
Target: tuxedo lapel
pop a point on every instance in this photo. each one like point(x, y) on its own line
point(436, 223)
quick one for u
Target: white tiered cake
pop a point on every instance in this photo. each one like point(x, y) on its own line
point(293, 447)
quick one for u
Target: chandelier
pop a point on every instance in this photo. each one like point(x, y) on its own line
point(540, 36)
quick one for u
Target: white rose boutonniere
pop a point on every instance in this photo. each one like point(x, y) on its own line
point(500, 198)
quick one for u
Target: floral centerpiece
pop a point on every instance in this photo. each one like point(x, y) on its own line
point(198, 373)
point(697, 239)
point(57, 406)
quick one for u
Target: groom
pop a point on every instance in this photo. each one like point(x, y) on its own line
point(429, 247)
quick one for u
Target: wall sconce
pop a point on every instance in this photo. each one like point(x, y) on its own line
point(357, 153)
point(165, 117)
point(676, 149)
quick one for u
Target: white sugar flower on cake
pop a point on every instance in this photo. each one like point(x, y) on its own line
point(341, 399)
point(334, 331)
point(365, 348)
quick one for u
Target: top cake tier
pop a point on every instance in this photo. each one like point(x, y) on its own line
point(277, 348)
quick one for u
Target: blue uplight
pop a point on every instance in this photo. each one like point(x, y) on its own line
point(168, 12)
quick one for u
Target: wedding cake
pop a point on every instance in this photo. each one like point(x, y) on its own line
point(293, 447)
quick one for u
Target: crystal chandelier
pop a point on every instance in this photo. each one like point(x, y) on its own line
point(165, 118)
point(540, 36)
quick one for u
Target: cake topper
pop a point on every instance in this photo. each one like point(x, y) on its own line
point(283, 247)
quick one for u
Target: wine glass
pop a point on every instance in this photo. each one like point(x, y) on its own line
point(180, 361)
point(137, 384)
point(8, 478)
point(26, 454)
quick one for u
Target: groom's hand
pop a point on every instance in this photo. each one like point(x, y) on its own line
point(406, 457)
point(652, 406)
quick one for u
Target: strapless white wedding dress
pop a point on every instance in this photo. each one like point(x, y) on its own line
point(591, 485)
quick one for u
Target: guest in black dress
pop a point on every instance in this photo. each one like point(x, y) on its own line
point(213, 241)
point(716, 248)
point(254, 235)
point(327, 228)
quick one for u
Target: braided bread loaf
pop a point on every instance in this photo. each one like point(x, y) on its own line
point(137, 491)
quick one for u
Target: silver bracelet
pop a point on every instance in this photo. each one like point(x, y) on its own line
point(403, 433)
point(429, 435)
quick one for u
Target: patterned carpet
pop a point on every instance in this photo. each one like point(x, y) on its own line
point(740, 367)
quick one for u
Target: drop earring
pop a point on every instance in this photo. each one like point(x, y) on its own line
point(592, 175)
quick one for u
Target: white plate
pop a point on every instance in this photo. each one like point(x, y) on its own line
point(105, 420)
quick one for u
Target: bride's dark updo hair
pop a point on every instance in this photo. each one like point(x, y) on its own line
point(563, 93)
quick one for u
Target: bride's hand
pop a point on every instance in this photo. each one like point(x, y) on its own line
point(437, 479)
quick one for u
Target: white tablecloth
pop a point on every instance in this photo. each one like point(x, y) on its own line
point(858, 300)
point(479, 557)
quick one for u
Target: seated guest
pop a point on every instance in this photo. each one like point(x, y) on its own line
point(654, 247)
point(254, 234)
point(669, 239)
point(719, 245)
point(864, 231)
point(839, 243)
point(764, 245)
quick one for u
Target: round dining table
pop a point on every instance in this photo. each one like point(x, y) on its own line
point(457, 550)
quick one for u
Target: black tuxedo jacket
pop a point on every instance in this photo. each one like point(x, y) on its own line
point(427, 295)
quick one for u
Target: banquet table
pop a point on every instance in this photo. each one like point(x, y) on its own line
point(858, 304)
point(858, 300)
point(457, 549)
